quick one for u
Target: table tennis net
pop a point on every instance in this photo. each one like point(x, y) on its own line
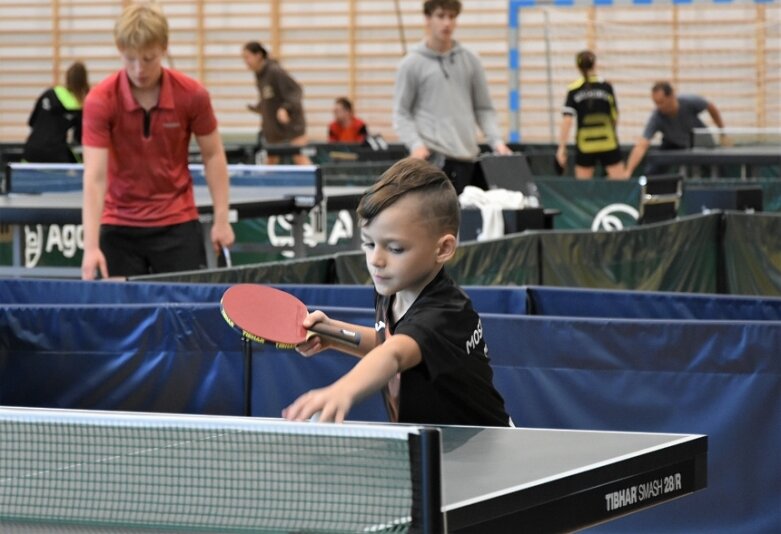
point(199, 473)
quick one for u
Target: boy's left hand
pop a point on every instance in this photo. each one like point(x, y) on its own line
point(331, 404)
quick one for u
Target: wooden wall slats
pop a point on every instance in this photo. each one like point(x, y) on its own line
point(731, 55)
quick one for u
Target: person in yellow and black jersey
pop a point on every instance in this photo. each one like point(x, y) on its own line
point(56, 113)
point(593, 101)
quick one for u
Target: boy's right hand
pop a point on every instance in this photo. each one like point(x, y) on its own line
point(314, 343)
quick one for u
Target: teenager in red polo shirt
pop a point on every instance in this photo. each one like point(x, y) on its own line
point(139, 213)
point(346, 127)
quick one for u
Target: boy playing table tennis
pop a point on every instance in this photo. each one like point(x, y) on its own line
point(428, 350)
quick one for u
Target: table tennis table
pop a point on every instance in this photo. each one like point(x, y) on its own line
point(749, 158)
point(256, 191)
point(436, 479)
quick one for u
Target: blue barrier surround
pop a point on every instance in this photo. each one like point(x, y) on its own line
point(719, 376)
point(21, 291)
point(532, 300)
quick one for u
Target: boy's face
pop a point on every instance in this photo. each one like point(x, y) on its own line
point(441, 24)
point(401, 248)
point(145, 66)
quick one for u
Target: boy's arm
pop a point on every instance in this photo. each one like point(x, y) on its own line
point(398, 353)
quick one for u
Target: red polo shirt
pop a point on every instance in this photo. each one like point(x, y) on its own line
point(149, 183)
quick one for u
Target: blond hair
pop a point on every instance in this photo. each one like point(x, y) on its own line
point(141, 26)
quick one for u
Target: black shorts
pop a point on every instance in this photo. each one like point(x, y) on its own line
point(608, 158)
point(138, 250)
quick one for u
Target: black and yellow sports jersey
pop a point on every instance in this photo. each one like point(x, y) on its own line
point(594, 104)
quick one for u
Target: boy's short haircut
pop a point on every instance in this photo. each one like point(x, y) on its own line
point(141, 26)
point(430, 6)
point(414, 176)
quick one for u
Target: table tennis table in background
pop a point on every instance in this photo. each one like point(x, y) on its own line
point(109, 470)
point(51, 194)
point(243, 145)
point(748, 158)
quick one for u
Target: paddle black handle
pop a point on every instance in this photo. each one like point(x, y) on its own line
point(340, 334)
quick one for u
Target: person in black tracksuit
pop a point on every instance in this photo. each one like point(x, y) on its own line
point(57, 112)
point(427, 350)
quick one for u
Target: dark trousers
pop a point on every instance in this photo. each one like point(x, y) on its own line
point(460, 173)
point(136, 251)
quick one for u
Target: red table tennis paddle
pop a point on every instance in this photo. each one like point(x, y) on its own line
point(265, 314)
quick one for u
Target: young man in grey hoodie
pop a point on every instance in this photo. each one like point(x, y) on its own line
point(440, 95)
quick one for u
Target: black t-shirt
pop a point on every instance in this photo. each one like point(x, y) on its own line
point(453, 385)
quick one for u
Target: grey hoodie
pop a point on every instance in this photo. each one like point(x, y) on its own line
point(439, 98)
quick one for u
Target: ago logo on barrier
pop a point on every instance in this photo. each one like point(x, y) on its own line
point(65, 239)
